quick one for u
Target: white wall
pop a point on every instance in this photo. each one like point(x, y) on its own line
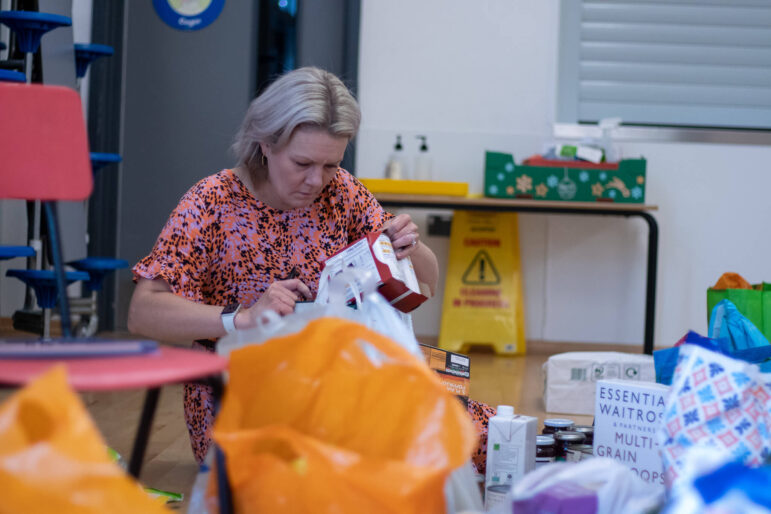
point(482, 75)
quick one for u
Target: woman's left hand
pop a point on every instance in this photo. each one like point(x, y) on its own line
point(403, 233)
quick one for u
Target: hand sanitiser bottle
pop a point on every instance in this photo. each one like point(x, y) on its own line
point(510, 452)
point(395, 167)
point(423, 170)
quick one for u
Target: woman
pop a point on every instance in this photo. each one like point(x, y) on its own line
point(254, 237)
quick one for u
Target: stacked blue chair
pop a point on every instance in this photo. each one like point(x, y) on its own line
point(97, 267)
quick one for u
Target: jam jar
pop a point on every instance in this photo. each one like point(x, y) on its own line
point(587, 430)
point(545, 451)
point(553, 425)
point(579, 452)
point(564, 439)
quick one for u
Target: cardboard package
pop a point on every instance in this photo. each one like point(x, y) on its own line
point(396, 278)
point(570, 378)
point(628, 415)
point(454, 369)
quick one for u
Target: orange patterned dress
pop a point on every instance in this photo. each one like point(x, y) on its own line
point(222, 245)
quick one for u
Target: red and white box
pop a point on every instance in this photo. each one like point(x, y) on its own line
point(374, 252)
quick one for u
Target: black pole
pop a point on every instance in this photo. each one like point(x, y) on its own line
point(143, 432)
point(650, 286)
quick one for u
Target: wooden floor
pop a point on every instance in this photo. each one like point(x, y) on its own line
point(169, 463)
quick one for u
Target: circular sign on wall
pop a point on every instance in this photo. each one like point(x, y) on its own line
point(188, 14)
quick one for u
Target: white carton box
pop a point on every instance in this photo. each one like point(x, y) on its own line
point(627, 417)
point(570, 378)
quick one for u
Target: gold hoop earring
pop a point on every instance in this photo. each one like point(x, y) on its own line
point(263, 161)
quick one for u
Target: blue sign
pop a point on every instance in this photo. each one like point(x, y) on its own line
point(188, 14)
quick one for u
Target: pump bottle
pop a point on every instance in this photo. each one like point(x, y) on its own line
point(395, 167)
point(423, 170)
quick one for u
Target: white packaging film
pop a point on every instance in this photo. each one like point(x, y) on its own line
point(570, 378)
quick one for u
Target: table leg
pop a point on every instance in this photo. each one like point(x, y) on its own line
point(650, 286)
point(143, 432)
point(223, 483)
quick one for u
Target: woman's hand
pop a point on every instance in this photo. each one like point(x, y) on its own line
point(280, 297)
point(403, 233)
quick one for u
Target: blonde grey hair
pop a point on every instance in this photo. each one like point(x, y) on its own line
point(303, 97)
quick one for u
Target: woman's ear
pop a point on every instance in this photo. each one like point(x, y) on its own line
point(265, 149)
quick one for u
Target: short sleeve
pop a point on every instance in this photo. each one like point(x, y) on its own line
point(181, 255)
point(365, 212)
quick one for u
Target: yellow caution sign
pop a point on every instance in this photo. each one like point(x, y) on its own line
point(483, 303)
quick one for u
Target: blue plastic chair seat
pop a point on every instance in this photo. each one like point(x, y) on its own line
point(12, 76)
point(86, 54)
point(44, 283)
point(29, 26)
point(10, 252)
point(98, 268)
point(100, 160)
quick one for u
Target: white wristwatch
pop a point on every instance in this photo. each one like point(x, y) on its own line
point(229, 317)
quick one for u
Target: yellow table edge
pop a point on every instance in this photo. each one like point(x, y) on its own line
point(415, 187)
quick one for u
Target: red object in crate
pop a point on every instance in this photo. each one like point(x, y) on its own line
point(537, 160)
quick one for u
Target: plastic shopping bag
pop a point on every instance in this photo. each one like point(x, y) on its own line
point(730, 333)
point(665, 360)
point(712, 482)
point(727, 322)
point(717, 402)
point(311, 422)
point(52, 458)
point(592, 486)
point(370, 309)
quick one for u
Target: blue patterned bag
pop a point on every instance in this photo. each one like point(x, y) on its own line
point(718, 402)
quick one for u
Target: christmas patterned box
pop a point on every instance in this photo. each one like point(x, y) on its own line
point(574, 181)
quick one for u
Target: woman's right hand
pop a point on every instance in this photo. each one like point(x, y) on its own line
point(280, 297)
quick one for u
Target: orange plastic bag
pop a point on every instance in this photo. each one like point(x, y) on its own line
point(52, 458)
point(338, 418)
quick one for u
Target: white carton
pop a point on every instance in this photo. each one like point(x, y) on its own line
point(570, 378)
point(627, 417)
point(510, 447)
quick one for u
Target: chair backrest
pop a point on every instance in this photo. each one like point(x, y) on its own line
point(43, 144)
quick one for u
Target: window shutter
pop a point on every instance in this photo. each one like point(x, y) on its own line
point(698, 63)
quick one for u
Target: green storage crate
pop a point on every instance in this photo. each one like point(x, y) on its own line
point(505, 179)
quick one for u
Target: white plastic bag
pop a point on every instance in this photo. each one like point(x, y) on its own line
point(616, 487)
point(372, 310)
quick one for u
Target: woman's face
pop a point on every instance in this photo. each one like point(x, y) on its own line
point(298, 172)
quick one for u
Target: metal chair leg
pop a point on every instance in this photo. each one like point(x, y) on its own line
point(143, 432)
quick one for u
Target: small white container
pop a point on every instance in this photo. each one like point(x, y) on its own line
point(395, 168)
point(423, 168)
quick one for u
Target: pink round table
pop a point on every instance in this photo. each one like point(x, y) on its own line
point(165, 365)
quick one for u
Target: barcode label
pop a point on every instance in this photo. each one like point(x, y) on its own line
point(578, 374)
point(459, 359)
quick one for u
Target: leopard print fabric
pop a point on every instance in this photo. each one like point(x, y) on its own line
point(222, 245)
point(480, 414)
